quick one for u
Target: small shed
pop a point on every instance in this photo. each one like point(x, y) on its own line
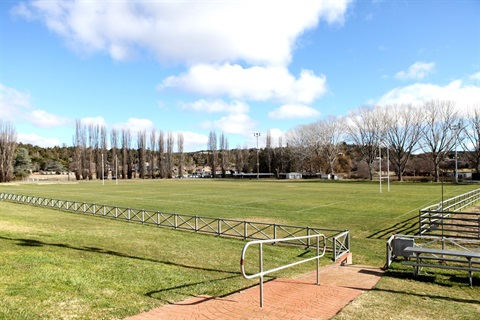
point(293, 175)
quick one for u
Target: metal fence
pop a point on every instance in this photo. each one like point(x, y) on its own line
point(338, 240)
point(447, 219)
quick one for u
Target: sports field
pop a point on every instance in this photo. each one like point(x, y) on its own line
point(64, 265)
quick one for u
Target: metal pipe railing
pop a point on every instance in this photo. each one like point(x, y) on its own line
point(262, 272)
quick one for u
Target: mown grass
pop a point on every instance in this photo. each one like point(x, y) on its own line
point(59, 265)
point(69, 266)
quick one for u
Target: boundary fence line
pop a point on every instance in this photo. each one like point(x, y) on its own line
point(338, 240)
point(443, 218)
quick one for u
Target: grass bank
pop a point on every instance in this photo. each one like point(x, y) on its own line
point(62, 265)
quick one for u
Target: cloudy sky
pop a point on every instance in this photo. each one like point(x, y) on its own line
point(237, 67)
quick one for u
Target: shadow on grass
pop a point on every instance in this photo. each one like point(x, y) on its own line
point(439, 277)
point(152, 294)
point(429, 296)
point(408, 226)
point(37, 243)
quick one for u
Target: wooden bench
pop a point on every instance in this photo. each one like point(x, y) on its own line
point(464, 260)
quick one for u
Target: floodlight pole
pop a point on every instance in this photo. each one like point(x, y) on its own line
point(256, 135)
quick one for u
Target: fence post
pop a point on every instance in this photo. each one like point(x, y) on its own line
point(308, 240)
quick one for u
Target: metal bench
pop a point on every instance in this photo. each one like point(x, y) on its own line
point(464, 259)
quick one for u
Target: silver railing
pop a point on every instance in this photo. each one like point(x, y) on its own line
point(443, 218)
point(338, 240)
point(261, 273)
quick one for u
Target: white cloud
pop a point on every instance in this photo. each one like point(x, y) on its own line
point(36, 140)
point(135, 125)
point(294, 111)
point(236, 120)
point(464, 95)
point(44, 119)
point(13, 103)
point(417, 71)
point(100, 121)
point(185, 31)
point(217, 105)
point(255, 83)
point(193, 141)
point(475, 76)
point(15, 106)
point(240, 123)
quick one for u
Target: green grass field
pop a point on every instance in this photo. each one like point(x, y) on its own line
point(59, 265)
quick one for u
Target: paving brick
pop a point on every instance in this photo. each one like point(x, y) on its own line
point(295, 299)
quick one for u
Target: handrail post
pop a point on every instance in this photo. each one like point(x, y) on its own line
point(262, 273)
point(260, 255)
point(318, 260)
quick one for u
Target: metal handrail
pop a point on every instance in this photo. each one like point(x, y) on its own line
point(262, 273)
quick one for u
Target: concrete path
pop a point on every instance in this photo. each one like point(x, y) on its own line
point(295, 299)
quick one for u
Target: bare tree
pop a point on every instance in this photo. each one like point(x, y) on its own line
point(239, 161)
point(85, 159)
point(247, 167)
point(329, 132)
point(269, 151)
point(153, 144)
point(437, 133)
point(161, 155)
point(180, 154)
point(76, 166)
point(363, 129)
point(8, 145)
point(303, 142)
point(281, 157)
point(126, 155)
point(142, 157)
point(472, 138)
point(169, 162)
point(90, 165)
point(224, 153)
point(114, 146)
point(96, 150)
point(103, 146)
point(403, 127)
point(212, 146)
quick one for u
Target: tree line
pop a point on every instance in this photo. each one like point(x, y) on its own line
point(416, 139)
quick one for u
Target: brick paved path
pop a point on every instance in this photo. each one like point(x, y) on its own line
point(295, 299)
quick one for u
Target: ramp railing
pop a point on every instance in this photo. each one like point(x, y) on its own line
point(261, 273)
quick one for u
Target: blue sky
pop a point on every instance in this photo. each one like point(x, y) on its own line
point(236, 67)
